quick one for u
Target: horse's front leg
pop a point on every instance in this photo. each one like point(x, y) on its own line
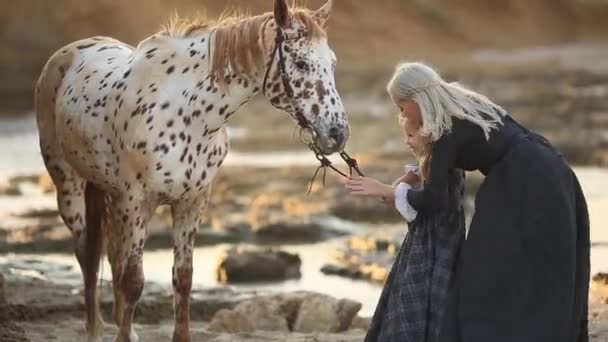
point(186, 219)
point(126, 245)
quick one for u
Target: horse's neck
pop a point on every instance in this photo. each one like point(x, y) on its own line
point(216, 104)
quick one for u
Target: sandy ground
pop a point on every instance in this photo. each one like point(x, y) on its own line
point(38, 310)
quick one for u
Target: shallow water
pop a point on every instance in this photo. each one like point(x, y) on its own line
point(20, 154)
point(158, 263)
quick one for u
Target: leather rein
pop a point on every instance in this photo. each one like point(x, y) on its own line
point(281, 37)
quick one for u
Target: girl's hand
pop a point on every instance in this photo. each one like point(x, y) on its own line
point(412, 179)
point(364, 186)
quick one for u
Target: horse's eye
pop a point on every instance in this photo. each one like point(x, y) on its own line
point(301, 65)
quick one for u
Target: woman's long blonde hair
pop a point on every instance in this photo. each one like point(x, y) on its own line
point(439, 101)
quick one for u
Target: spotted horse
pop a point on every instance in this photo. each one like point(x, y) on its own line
point(125, 129)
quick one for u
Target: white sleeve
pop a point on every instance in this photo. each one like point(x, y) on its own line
point(401, 203)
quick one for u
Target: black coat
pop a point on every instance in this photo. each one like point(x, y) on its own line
point(523, 271)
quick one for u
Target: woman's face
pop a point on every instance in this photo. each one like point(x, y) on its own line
point(410, 110)
point(411, 122)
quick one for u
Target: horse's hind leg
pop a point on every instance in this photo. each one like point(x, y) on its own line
point(74, 212)
point(186, 219)
point(126, 237)
point(70, 187)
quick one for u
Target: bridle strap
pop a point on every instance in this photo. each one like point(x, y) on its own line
point(281, 37)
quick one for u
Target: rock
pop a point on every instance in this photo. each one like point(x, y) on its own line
point(8, 188)
point(373, 244)
point(45, 184)
point(361, 323)
point(39, 213)
point(288, 229)
point(352, 272)
point(257, 314)
point(257, 265)
point(364, 257)
point(232, 222)
point(321, 314)
point(31, 178)
point(2, 297)
point(301, 312)
point(601, 278)
point(274, 225)
point(598, 289)
point(272, 216)
point(363, 210)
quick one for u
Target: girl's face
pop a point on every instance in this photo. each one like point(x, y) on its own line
point(411, 122)
point(416, 142)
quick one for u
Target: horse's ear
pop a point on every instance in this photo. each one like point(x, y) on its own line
point(281, 14)
point(322, 14)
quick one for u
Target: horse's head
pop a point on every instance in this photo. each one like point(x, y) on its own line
point(300, 75)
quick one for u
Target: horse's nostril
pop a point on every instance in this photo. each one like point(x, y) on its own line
point(336, 135)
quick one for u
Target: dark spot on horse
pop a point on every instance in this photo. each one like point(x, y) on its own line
point(298, 82)
point(320, 88)
point(170, 70)
point(86, 46)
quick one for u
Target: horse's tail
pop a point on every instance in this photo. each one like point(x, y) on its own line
point(95, 207)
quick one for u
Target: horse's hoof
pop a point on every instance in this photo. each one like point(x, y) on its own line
point(96, 333)
point(90, 338)
point(131, 338)
point(181, 337)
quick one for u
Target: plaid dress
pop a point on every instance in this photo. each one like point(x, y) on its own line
point(411, 303)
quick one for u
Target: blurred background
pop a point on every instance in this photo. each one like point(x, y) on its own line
point(545, 61)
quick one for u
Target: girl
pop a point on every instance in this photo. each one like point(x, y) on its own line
point(413, 297)
point(523, 274)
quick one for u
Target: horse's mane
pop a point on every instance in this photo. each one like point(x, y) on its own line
point(237, 42)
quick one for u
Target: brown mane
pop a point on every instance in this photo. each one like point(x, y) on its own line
point(237, 40)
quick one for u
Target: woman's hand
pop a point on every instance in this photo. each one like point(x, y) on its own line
point(365, 186)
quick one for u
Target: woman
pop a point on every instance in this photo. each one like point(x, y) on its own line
point(523, 272)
